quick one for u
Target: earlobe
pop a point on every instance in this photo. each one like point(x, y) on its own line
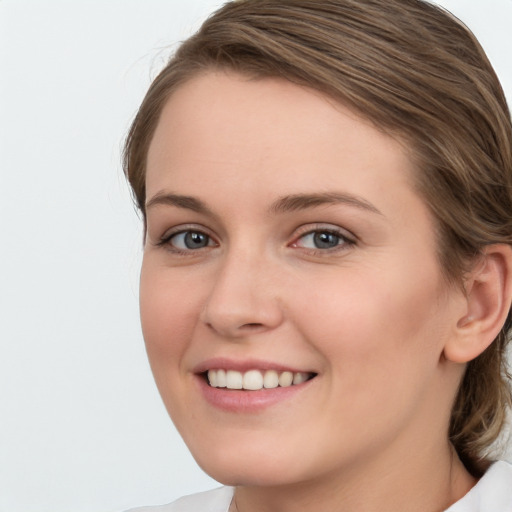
point(488, 299)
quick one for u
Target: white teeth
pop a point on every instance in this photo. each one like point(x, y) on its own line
point(254, 380)
point(299, 378)
point(286, 379)
point(221, 378)
point(234, 380)
point(212, 378)
point(271, 379)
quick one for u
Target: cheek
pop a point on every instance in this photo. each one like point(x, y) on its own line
point(380, 342)
point(371, 324)
point(169, 311)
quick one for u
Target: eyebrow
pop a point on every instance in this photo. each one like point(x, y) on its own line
point(297, 202)
point(187, 202)
point(285, 204)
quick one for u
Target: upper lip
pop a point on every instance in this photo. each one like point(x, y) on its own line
point(244, 365)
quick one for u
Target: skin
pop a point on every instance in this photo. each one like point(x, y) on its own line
point(371, 316)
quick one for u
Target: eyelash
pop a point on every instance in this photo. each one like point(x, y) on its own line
point(345, 241)
point(166, 239)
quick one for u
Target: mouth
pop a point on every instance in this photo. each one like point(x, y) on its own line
point(255, 380)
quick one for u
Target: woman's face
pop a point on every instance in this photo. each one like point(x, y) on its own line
point(285, 237)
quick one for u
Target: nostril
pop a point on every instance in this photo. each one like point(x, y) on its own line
point(251, 326)
point(248, 326)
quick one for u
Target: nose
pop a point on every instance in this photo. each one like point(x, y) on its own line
point(244, 297)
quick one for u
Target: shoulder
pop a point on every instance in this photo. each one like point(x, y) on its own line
point(493, 492)
point(216, 500)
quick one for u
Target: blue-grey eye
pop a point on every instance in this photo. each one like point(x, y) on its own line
point(321, 240)
point(189, 240)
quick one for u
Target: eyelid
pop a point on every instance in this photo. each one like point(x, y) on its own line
point(347, 240)
point(347, 237)
point(165, 239)
point(307, 229)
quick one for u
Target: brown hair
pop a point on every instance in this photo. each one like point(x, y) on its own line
point(417, 73)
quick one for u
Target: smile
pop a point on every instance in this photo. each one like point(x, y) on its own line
point(255, 380)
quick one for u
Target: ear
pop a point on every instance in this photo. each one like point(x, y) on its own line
point(488, 297)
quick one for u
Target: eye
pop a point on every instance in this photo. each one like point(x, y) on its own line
point(189, 240)
point(323, 239)
point(320, 240)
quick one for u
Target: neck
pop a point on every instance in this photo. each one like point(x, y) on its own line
point(419, 482)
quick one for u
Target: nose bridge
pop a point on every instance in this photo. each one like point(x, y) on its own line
point(243, 296)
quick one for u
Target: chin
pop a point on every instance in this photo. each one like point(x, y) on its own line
point(249, 466)
point(248, 473)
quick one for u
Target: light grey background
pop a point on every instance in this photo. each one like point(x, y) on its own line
point(82, 428)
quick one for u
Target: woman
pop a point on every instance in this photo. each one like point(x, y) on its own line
point(327, 277)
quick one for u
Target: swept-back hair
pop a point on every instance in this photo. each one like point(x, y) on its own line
point(421, 76)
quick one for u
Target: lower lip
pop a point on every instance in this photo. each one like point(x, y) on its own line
point(240, 401)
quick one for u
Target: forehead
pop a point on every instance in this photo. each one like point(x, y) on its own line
point(225, 124)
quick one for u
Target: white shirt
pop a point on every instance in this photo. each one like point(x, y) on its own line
point(492, 493)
